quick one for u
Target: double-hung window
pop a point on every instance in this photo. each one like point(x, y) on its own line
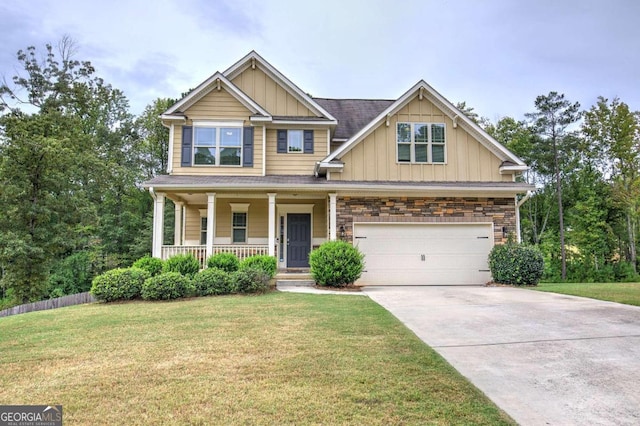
point(420, 142)
point(217, 146)
point(239, 216)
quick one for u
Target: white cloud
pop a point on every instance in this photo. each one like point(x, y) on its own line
point(497, 55)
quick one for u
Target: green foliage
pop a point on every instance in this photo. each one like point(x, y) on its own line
point(71, 275)
point(119, 284)
point(152, 265)
point(213, 281)
point(336, 264)
point(167, 286)
point(267, 263)
point(516, 264)
point(185, 264)
point(250, 280)
point(226, 261)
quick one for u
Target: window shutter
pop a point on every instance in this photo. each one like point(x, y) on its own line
point(308, 141)
point(282, 141)
point(247, 147)
point(187, 146)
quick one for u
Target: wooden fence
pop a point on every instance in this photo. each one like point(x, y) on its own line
point(43, 305)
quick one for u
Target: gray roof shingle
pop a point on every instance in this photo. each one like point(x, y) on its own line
point(352, 114)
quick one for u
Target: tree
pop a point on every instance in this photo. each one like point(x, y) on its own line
point(472, 115)
point(613, 132)
point(68, 168)
point(155, 137)
point(554, 114)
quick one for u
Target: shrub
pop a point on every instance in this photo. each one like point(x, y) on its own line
point(212, 281)
point(119, 284)
point(516, 264)
point(336, 264)
point(250, 280)
point(267, 263)
point(184, 264)
point(167, 286)
point(226, 261)
point(152, 265)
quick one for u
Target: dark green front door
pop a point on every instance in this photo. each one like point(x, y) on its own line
point(298, 240)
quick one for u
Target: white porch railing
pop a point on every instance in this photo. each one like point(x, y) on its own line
point(200, 251)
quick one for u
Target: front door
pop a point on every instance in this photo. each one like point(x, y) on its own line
point(298, 240)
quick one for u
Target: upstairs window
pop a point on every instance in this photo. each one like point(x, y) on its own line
point(295, 141)
point(420, 142)
point(217, 146)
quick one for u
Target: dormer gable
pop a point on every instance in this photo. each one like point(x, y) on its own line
point(273, 91)
point(510, 163)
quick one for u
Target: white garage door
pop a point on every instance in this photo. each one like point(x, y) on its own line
point(424, 254)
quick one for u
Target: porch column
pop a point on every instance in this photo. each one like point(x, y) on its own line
point(272, 224)
point(158, 224)
point(177, 232)
point(333, 217)
point(211, 217)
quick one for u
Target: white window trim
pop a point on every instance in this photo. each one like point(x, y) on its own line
point(240, 208)
point(430, 144)
point(301, 140)
point(217, 125)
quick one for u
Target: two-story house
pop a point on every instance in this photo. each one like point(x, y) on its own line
point(258, 166)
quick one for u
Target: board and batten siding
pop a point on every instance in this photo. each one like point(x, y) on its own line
point(295, 163)
point(269, 94)
point(375, 158)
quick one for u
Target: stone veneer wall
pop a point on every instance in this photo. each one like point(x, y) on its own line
point(500, 211)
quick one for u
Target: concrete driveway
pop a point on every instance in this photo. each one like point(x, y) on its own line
point(543, 358)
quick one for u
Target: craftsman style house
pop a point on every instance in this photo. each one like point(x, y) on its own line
point(257, 166)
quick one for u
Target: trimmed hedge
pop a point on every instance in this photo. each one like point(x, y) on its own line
point(226, 261)
point(250, 280)
point(516, 264)
point(266, 263)
point(212, 281)
point(152, 265)
point(336, 264)
point(119, 284)
point(167, 286)
point(184, 264)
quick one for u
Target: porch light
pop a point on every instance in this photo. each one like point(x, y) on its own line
point(342, 232)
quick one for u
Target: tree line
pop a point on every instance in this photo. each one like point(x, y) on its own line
point(73, 157)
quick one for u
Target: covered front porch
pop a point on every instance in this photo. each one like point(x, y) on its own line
point(286, 225)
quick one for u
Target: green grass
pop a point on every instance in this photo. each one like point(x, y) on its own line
point(280, 358)
point(627, 293)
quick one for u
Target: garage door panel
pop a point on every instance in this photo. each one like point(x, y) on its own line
point(424, 254)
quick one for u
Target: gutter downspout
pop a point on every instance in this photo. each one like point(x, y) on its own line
point(518, 205)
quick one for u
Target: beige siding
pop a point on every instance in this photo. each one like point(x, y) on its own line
point(374, 158)
point(218, 105)
point(256, 170)
point(269, 94)
point(295, 163)
point(257, 218)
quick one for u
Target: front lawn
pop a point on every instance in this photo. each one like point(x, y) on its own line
point(628, 293)
point(281, 358)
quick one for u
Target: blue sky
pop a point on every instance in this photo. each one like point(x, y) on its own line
point(497, 55)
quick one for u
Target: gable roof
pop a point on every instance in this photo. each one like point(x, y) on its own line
point(421, 88)
point(352, 114)
point(216, 81)
point(252, 59)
